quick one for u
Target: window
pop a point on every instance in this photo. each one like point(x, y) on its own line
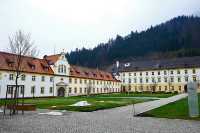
point(165, 78)
point(165, 72)
point(134, 74)
point(85, 81)
point(123, 81)
point(10, 89)
point(179, 88)
point(70, 80)
point(179, 79)
point(152, 73)
point(186, 71)
point(129, 80)
point(146, 73)
point(51, 79)
point(23, 77)
point(51, 90)
point(172, 87)
point(11, 76)
point(159, 88)
point(159, 79)
point(172, 72)
point(93, 90)
point(147, 80)
point(140, 73)
point(80, 90)
point(194, 78)
point(80, 81)
point(43, 78)
point(140, 80)
point(135, 88)
point(42, 90)
point(129, 74)
point(75, 80)
point(85, 90)
point(70, 90)
point(33, 78)
point(172, 79)
point(165, 88)
point(153, 80)
point(178, 72)
point(158, 72)
point(186, 79)
point(32, 89)
point(64, 69)
point(135, 80)
point(123, 74)
point(75, 90)
point(193, 71)
point(22, 90)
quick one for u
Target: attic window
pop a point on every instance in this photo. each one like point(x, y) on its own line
point(101, 75)
point(107, 76)
point(50, 62)
point(94, 74)
point(46, 67)
point(32, 66)
point(77, 71)
point(10, 62)
point(86, 73)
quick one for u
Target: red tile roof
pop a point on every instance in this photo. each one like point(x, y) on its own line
point(83, 72)
point(51, 59)
point(42, 66)
point(29, 64)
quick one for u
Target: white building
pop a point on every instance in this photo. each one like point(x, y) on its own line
point(166, 75)
point(53, 76)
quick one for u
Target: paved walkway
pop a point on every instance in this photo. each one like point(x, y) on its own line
point(146, 106)
point(117, 120)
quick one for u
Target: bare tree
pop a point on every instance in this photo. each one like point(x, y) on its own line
point(21, 45)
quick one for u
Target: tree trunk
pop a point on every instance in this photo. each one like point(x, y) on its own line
point(15, 94)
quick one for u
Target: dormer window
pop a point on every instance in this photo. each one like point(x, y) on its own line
point(10, 62)
point(94, 74)
point(86, 73)
point(33, 67)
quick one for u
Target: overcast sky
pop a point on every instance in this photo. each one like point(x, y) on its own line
point(70, 24)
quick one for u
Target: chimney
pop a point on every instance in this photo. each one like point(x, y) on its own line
point(117, 64)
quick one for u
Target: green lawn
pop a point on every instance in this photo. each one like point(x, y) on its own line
point(176, 110)
point(98, 102)
point(133, 94)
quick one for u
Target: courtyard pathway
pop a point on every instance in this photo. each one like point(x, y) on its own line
point(146, 106)
point(117, 120)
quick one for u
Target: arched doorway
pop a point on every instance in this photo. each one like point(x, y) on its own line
point(61, 92)
point(185, 88)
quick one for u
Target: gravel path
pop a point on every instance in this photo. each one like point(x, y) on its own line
point(117, 120)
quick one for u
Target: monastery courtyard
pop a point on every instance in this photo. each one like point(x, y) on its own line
point(116, 120)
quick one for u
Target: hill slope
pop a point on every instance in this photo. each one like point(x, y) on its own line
point(175, 38)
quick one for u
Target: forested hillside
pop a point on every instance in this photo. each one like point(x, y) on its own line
point(175, 38)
